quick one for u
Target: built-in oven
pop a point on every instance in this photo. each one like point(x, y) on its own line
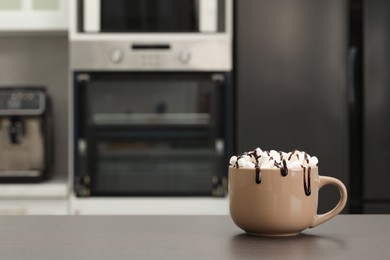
point(151, 97)
point(151, 133)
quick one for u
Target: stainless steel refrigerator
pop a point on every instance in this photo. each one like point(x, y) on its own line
point(376, 116)
point(315, 75)
point(291, 82)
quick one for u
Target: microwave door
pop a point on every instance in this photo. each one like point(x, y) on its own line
point(150, 16)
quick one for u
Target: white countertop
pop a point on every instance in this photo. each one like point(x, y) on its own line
point(56, 187)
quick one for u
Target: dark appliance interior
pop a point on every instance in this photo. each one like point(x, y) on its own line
point(151, 134)
point(149, 16)
point(153, 16)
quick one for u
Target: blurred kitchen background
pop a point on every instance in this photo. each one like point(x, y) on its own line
point(135, 106)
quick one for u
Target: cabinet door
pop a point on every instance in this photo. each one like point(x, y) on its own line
point(33, 15)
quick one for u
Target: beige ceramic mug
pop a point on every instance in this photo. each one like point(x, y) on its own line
point(279, 205)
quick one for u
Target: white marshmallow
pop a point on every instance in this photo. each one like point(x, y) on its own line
point(268, 160)
point(246, 157)
point(271, 164)
point(284, 156)
point(233, 160)
point(313, 161)
point(301, 156)
point(249, 165)
point(275, 155)
point(241, 162)
point(258, 151)
point(294, 157)
point(263, 160)
point(252, 159)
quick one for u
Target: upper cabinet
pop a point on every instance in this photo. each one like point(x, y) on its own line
point(33, 15)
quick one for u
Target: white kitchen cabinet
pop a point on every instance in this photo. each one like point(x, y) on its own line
point(33, 15)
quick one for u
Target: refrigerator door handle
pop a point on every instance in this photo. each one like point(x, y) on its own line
point(354, 111)
point(351, 85)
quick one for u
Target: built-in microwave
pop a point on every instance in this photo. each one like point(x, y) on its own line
point(162, 35)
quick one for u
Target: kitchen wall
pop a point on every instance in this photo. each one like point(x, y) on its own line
point(41, 60)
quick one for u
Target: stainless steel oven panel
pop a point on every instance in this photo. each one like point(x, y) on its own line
point(203, 54)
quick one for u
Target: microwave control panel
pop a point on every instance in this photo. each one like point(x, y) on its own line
point(149, 60)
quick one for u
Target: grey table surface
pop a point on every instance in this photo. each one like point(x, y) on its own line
point(186, 237)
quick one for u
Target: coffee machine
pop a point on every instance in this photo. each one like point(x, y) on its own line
point(24, 134)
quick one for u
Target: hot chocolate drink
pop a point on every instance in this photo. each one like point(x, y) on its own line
point(259, 159)
point(276, 193)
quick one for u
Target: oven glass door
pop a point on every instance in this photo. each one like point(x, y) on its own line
point(148, 134)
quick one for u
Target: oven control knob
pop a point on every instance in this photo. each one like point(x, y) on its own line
point(116, 56)
point(185, 56)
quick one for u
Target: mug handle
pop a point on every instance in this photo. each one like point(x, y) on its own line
point(325, 180)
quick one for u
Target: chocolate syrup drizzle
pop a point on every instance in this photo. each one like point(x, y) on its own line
point(308, 185)
point(257, 167)
point(306, 158)
point(284, 169)
point(282, 166)
point(258, 175)
point(293, 151)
